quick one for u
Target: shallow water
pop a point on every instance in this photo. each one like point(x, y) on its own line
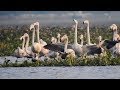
point(79, 72)
point(13, 59)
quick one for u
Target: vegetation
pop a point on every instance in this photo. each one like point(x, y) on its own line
point(96, 61)
point(9, 41)
point(9, 35)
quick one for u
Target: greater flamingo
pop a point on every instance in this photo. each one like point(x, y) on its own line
point(62, 49)
point(88, 33)
point(36, 46)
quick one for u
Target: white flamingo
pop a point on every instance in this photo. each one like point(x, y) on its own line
point(53, 40)
point(81, 38)
point(43, 42)
point(41, 45)
point(20, 52)
point(115, 32)
point(49, 53)
point(88, 33)
point(58, 36)
point(69, 52)
point(27, 47)
point(94, 49)
point(113, 47)
point(62, 49)
point(36, 46)
point(76, 47)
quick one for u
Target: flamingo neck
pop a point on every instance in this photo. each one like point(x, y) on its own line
point(75, 38)
point(18, 50)
point(27, 42)
point(38, 34)
point(99, 42)
point(114, 33)
point(88, 34)
point(23, 44)
point(66, 44)
point(81, 41)
point(58, 39)
point(33, 36)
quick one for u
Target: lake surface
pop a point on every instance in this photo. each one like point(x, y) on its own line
point(78, 72)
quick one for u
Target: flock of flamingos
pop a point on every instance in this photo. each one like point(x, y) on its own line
point(60, 48)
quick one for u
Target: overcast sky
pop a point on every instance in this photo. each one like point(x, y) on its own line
point(58, 17)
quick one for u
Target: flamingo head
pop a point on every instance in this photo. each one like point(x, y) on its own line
point(22, 37)
point(100, 38)
point(86, 21)
point(53, 40)
point(81, 36)
point(36, 24)
point(64, 38)
point(58, 35)
point(75, 21)
point(113, 27)
point(26, 35)
point(18, 47)
point(31, 26)
point(43, 42)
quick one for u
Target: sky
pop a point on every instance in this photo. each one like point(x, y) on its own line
point(58, 17)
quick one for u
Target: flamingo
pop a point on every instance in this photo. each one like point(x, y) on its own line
point(20, 52)
point(76, 47)
point(113, 45)
point(81, 38)
point(94, 49)
point(36, 46)
point(27, 47)
point(69, 52)
point(62, 50)
point(53, 40)
point(58, 36)
point(46, 52)
point(43, 42)
point(115, 33)
point(88, 33)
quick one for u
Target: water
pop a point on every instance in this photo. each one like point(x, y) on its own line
point(13, 59)
point(79, 72)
